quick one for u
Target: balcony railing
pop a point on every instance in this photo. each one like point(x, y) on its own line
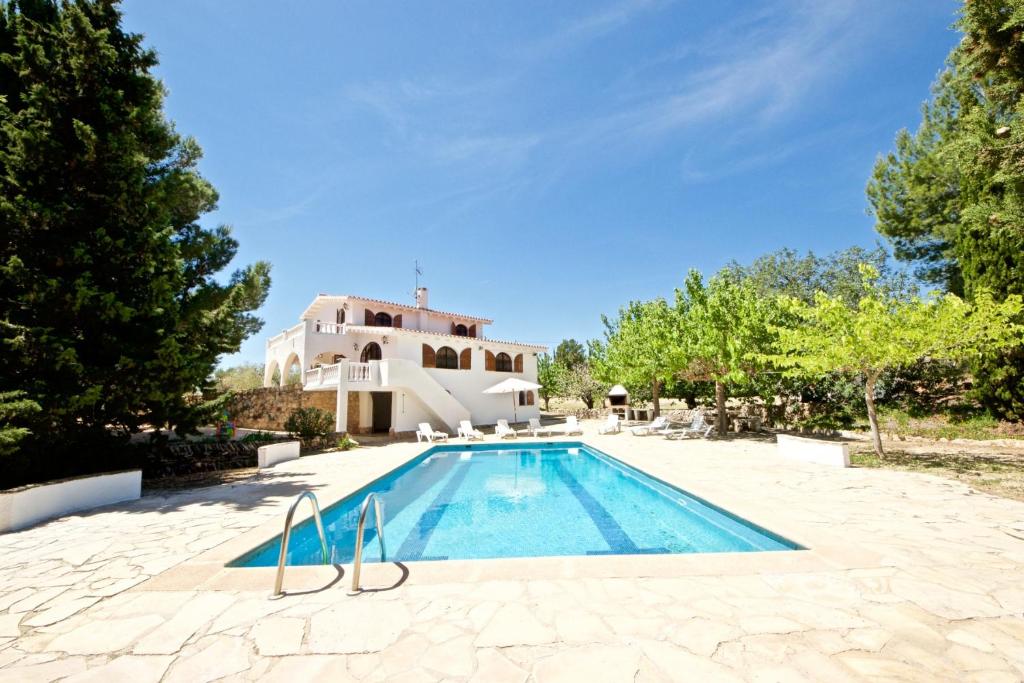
point(329, 328)
point(359, 372)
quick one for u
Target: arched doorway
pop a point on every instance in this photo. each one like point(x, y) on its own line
point(370, 352)
point(292, 371)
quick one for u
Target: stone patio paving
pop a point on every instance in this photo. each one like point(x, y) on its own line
point(910, 577)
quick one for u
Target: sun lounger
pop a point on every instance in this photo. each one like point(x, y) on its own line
point(427, 432)
point(502, 430)
point(657, 424)
point(571, 426)
point(611, 425)
point(698, 427)
point(468, 431)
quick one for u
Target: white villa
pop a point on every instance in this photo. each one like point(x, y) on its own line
point(394, 365)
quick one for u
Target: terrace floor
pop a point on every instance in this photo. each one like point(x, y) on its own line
point(908, 577)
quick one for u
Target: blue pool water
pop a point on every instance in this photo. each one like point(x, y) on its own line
point(524, 500)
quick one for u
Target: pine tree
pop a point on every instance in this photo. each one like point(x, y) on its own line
point(951, 196)
point(111, 309)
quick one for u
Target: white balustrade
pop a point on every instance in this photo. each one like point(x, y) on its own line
point(359, 372)
point(329, 328)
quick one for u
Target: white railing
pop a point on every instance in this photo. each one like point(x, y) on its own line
point(290, 333)
point(329, 328)
point(359, 372)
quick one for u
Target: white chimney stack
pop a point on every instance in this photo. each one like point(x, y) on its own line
point(421, 297)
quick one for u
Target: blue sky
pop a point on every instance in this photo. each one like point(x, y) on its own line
point(545, 162)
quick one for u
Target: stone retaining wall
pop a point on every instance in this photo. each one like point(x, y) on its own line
point(268, 408)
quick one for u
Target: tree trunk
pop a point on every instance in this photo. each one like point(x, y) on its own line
point(869, 397)
point(654, 398)
point(721, 418)
point(588, 401)
point(547, 404)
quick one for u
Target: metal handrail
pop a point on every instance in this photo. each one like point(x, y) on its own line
point(287, 534)
point(357, 561)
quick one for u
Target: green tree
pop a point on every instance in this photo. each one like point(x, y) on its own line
point(239, 378)
point(884, 332)
point(722, 326)
point(951, 195)
point(641, 348)
point(14, 407)
point(578, 382)
point(550, 377)
point(113, 308)
point(570, 353)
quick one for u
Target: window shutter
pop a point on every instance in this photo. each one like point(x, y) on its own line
point(466, 359)
point(396, 321)
point(453, 329)
point(529, 398)
point(339, 316)
point(517, 364)
point(488, 361)
point(428, 356)
point(368, 318)
point(472, 330)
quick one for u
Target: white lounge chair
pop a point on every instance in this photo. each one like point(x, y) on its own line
point(571, 426)
point(468, 431)
point(502, 430)
point(427, 432)
point(611, 425)
point(657, 424)
point(698, 427)
point(535, 428)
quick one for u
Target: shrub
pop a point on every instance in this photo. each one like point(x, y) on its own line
point(309, 423)
point(259, 437)
point(346, 443)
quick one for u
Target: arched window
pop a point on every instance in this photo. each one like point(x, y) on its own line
point(446, 358)
point(370, 352)
point(461, 331)
point(382, 319)
point(503, 362)
point(339, 316)
point(522, 398)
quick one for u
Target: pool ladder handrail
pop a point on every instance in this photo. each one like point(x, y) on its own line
point(287, 534)
point(357, 561)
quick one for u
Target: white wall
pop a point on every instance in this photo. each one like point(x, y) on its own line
point(24, 507)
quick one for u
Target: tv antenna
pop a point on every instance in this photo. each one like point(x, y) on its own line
point(419, 271)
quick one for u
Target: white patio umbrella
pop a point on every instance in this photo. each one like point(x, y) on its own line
point(513, 386)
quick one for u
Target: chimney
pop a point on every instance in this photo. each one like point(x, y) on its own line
point(421, 297)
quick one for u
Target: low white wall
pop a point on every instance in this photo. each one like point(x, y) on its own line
point(270, 455)
point(817, 451)
point(27, 506)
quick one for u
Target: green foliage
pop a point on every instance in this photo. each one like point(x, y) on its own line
point(883, 333)
point(308, 423)
point(14, 407)
point(951, 195)
point(113, 309)
point(788, 273)
point(347, 443)
point(570, 353)
point(259, 437)
point(239, 378)
point(641, 349)
point(550, 376)
point(578, 382)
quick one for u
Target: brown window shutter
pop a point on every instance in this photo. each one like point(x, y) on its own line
point(529, 398)
point(488, 361)
point(472, 330)
point(517, 363)
point(428, 357)
point(368, 318)
point(397, 321)
point(466, 359)
point(453, 329)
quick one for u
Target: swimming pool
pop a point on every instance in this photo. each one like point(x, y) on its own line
point(521, 500)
